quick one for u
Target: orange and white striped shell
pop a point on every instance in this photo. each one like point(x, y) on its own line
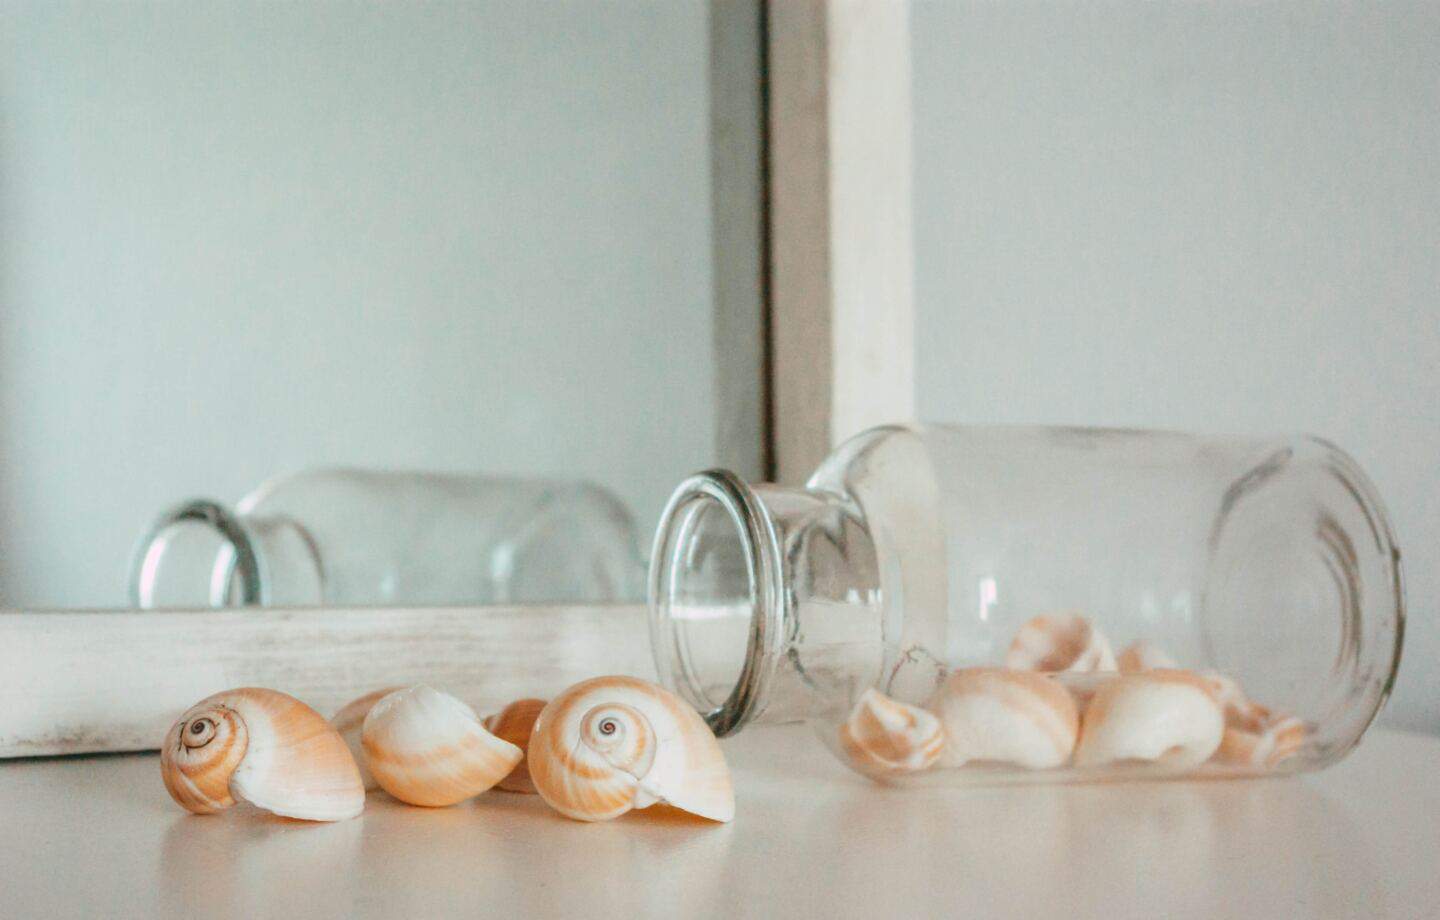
point(1000, 715)
point(1165, 716)
point(514, 724)
point(265, 748)
point(1060, 642)
point(348, 721)
point(611, 744)
point(885, 736)
point(428, 748)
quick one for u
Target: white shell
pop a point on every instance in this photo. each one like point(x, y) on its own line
point(1005, 716)
point(348, 722)
point(1164, 716)
point(884, 736)
point(427, 748)
point(610, 744)
point(266, 748)
point(1144, 656)
point(1060, 642)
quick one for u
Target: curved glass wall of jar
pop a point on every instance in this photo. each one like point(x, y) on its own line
point(355, 537)
point(1023, 604)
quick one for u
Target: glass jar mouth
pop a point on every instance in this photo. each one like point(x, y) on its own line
point(677, 604)
point(246, 566)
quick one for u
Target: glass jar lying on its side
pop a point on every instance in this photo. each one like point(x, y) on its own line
point(1023, 604)
point(358, 537)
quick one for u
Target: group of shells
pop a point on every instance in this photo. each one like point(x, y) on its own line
point(1064, 699)
point(601, 748)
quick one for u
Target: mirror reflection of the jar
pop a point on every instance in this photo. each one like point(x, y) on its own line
point(251, 243)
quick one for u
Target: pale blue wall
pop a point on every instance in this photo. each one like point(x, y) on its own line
point(1220, 217)
point(238, 239)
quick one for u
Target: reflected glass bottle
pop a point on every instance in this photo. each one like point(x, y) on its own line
point(1039, 603)
point(353, 537)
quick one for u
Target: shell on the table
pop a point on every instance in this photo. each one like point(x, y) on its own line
point(428, 748)
point(611, 744)
point(263, 747)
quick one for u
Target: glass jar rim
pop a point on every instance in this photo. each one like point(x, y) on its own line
point(759, 541)
point(246, 565)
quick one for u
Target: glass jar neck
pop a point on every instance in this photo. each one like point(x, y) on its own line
point(260, 561)
point(765, 601)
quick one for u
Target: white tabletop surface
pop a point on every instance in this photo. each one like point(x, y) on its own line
point(99, 837)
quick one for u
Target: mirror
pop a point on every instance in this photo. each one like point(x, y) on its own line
point(393, 304)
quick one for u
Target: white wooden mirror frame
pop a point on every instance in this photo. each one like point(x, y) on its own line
point(838, 319)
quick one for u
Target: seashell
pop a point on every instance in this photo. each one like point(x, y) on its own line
point(1060, 642)
point(1144, 656)
point(1262, 741)
point(1005, 716)
point(1254, 736)
point(428, 748)
point(514, 724)
point(610, 744)
point(348, 722)
point(886, 736)
point(265, 748)
point(1167, 716)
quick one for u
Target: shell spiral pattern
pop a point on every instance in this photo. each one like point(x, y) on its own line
point(266, 748)
point(610, 744)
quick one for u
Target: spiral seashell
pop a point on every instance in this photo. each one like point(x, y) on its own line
point(514, 724)
point(1165, 716)
point(1144, 656)
point(428, 748)
point(999, 715)
point(610, 744)
point(884, 736)
point(348, 722)
point(265, 748)
point(1059, 642)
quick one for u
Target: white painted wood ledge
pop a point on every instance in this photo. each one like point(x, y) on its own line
point(97, 681)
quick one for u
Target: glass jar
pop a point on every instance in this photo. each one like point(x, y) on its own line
point(354, 537)
point(941, 603)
